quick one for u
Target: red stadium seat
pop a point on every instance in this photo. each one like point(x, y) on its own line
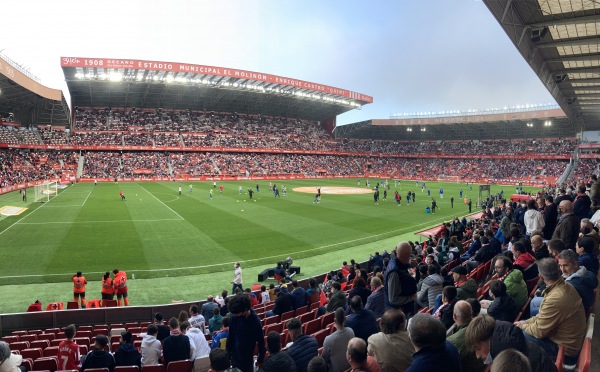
point(127, 369)
point(327, 319)
point(312, 327)
point(72, 305)
point(155, 368)
point(42, 344)
point(46, 336)
point(84, 328)
point(45, 364)
point(82, 341)
point(51, 351)
point(305, 318)
point(287, 316)
point(28, 337)
point(55, 306)
point(277, 327)
point(100, 331)
point(19, 346)
point(33, 354)
point(320, 336)
point(271, 320)
point(57, 341)
point(180, 366)
point(301, 310)
point(97, 370)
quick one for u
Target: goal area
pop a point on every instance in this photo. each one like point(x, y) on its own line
point(45, 191)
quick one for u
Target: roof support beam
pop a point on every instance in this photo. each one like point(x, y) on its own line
point(567, 21)
point(570, 42)
point(579, 58)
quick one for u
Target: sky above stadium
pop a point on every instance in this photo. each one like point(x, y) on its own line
point(410, 56)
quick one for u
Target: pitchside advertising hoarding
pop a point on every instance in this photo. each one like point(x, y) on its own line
point(209, 70)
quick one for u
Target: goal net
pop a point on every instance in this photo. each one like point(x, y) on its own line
point(45, 191)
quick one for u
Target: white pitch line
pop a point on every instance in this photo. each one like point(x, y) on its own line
point(161, 202)
point(87, 197)
point(229, 263)
point(84, 222)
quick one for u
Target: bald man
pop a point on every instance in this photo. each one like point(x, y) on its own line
point(539, 247)
point(567, 228)
point(400, 288)
point(463, 314)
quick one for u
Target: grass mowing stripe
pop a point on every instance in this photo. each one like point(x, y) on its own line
point(160, 201)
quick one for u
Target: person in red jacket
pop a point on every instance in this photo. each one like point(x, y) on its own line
point(524, 261)
point(120, 283)
point(79, 283)
point(68, 350)
point(36, 306)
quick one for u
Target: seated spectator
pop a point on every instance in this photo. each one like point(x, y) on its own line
point(391, 347)
point(555, 246)
point(278, 360)
point(473, 248)
point(220, 361)
point(163, 329)
point(431, 288)
point(540, 249)
point(36, 306)
point(337, 299)
point(375, 301)
point(219, 339)
point(475, 306)
point(587, 230)
point(198, 345)
point(98, 357)
point(432, 351)
point(253, 299)
point(177, 346)
point(216, 322)
point(151, 347)
point(283, 302)
point(334, 346)
point(68, 350)
point(360, 289)
point(127, 354)
point(358, 358)
point(10, 362)
point(362, 321)
point(264, 295)
point(317, 364)
point(488, 338)
point(561, 319)
point(513, 279)
point(207, 309)
point(524, 262)
point(584, 281)
point(587, 259)
point(445, 312)
point(303, 347)
point(467, 288)
point(503, 305)
point(463, 314)
point(511, 360)
point(484, 254)
point(298, 295)
point(313, 292)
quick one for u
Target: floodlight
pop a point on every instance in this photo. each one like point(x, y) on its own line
point(116, 76)
point(170, 78)
point(79, 75)
point(140, 77)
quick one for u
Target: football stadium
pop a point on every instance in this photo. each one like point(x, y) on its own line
point(151, 191)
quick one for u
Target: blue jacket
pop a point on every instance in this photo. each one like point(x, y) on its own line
point(436, 359)
point(584, 282)
point(363, 323)
point(303, 350)
point(589, 262)
point(216, 339)
point(375, 303)
point(298, 298)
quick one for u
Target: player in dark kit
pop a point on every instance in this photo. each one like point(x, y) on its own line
point(250, 192)
point(122, 196)
point(452, 202)
point(433, 205)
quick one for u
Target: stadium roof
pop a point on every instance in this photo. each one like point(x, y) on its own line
point(560, 41)
point(551, 123)
point(104, 82)
point(23, 97)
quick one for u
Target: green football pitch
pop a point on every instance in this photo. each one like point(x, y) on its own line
point(182, 247)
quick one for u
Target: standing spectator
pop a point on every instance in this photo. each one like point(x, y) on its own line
point(362, 321)
point(303, 348)
point(98, 357)
point(68, 350)
point(463, 314)
point(533, 218)
point(582, 204)
point(207, 308)
point(561, 318)
point(245, 332)
point(237, 277)
point(176, 346)
point(432, 351)
point(392, 347)
point(79, 283)
point(524, 261)
point(151, 347)
point(278, 360)
point(399, 286)
point(567, 228)
point(334, 346)
point(550, 217)
point(127, 354)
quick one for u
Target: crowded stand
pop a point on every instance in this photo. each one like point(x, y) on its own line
point(167, 139)
point(53, 136)
point(467, 286)
point(97, 138)
point(102, 165)
point(584, 168)
point(8, 135)
point(144, 164)
point(21, 166)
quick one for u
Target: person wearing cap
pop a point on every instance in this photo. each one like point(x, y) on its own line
point(99, 357)
point(9, 362)
point(127, 354)
point(163, 329)
point(466, 288)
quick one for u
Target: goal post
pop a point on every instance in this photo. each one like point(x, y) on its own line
point(484, 193)
point(45, 191)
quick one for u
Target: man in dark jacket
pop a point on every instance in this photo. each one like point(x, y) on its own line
point(303, 348)
point(127, 354)
point(375, 301)
point(362, 321)
point(567, 228)
point(503, 306)
point(400, 287)
point(376, 261)
point(245, 333)
point(99, 358)
point(177, 345)
point(337, 299)
point(298, 295)
point(540, 249)
point(550, 217)
point(582, 204)
point(283, 303)
point(467, 288)
point(488, 337)
point(278, 360)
